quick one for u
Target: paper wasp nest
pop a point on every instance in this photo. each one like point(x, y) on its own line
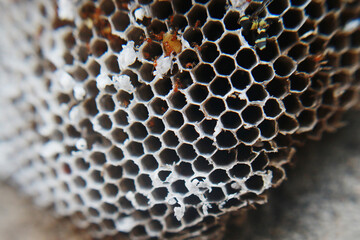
point(159, 118)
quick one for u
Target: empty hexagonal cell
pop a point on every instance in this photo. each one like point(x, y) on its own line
point(248, 135)
point(262, 72)
point(125, 204)
point(156, 28)
point(308, 65)
point(184, 169)
point(293, 18)
point(348, 59)
point(252, 114)
point(229, 44)
point(220, 86)
point(147, 72)
point(268, 128)
point(287, 39)
point(81, 164)
point(98, 158)
point(214, 106)
point(158, 209)
point(272, 108)
point(112, 64)
point(298, 82)
point(205, 146)
point(155, 125)
point(292, 104)
point(79, 182)
point(217, 8)
point(209, 52)
point(170, 139)
point(189, 133)
point(163, 86)
point(171, 223)
point(231, 20)
point(152, 51)
point(255, 183)
point(105, 122)
point(141, 200)
point(144, 92)
point(98, 48)
point(94, 194)
point(137, 35)
point(270, 52)
point(307, 119)
point(198, 93)
point(224, 157)
point(240, 171)
point(226, 139)
point(179, 22)
point(177, 100)
point(116, 154)
point(256, 93)
point(160, 193)
point(309, 98)
point(131, 168)
point(169, 156)
point(215, 195)
point(119, 135)
point(246, 58)
point(106, 103)
point(152, 144)
point(328, 24)
point(159, 106)
point(114, 172)
point(203, 165)
point(149, 163)
point(111, 190)
point(96, 176)
point(194, 36)
point(186, 151)
point(182, 6)
point(213, 30)
point(120, 21)
point(124, 98)
point(284, 66)
point(204, 73)
point(144, 181)
point(182, 80)
point(230, 120)
point(121, 117)
point(174, 119)
point(188, 59)
point(277, 7)
point(161, 9)
point(298, 52)
point(197, 16)
point(287, 124)
point(235, 103)
point(135, 148)
point(277, 87)
point(179, 187)
point(240, 79)
point(225, 65)
point(140, 112)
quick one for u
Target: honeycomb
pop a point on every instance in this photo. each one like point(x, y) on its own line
point(158, 119)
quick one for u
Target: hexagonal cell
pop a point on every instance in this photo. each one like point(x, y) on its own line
point(142, 201)
point(179, 187)
point(277, 7)
point(252, 114)
point(225, 65)
point(262, 72)
point(209, 52)
point(226, 139)
point(116, 154)
point(179, 22)
point(94, 194)
point(248, 135)
point(284, 66)
point(135, 148)
point(112, 64)
point(213, 30)
point(328, 24)
point(156, 28)
point(182, 80)
point(159, 106)
point(106, 103)
point(111, 190)
point(170, 139)
point(197, 16)
point(163, 86)
point(208, 126)
point(98, 48)
point(272, 108)
point(184, 169)
point(214, 106)
point(188, 59)
point(309, 98)
point(240, 171)
point(114, 172)
point(160, 193)
point(268, 129)
point(177, 100)
point(171, 223)
point(194, 36)
point(96, 176)
point(246, 58)
point(229, 44)
point(349, 59)
point(231, 20)
point(144, 181)
point(255, 183)
point(287, 124)
point(198, 93)
point(308, 65)
point(205, 146)
point(105, 122)
point(79, 182)
point(277, 87)
point(186, 151)
point(124, 98)
point(240, 79)
point(298, 52)
point(292, 104)
point(215, 195)
point(256, 93)
point(140, 112)
point(182, 6)
point(158, 209)
point(287, 39)
point(152, 51)
point(235, 103)
point(85, 34)
point(121, 117)
point(270, 52)
point(203, 165)
point(161, 9)
point(307, 119)
point(230, 120)
point(204, 73)
point(81, 164)
point(107, 7)
point(147, 72)
point(293, 18)
point(155, 125)
point(189, 133)
point(220, 86)
point(98, 158)
point(137, 35)
point(155, 225)
point(144, 92)
point(152, 144)
point(149, 163)
point(125, 204)
point(120, 21)
point(131, 168)
point(174, 119)
point(191, 215)
point(169, 156)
